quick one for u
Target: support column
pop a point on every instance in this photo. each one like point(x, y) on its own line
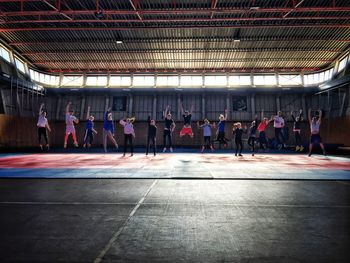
point(228, 105)
point(203, 107)
point(154, 110)
point(82, 108)
point(3, 97)
point(58, 108)
point(130, 105)
point(252, 102)
point(278, 102)
point(178, 115)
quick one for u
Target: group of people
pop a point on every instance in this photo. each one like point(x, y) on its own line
point(256, 131)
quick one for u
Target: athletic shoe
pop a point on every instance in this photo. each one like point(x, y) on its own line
point(131, 155)
point(252, 154)
point(76, 145)
point(279, 147)
point(301, 148)
point(171, 149)
point(41, 147)
point(64, 146)
point(240, 155)
point(235, 154)
point(297, 148)
point(154, 154)
point(309, 155)
point(164, 150)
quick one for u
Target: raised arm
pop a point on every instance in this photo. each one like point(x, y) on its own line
point(225, 114)
point(300, 114)
point(149, 120)
point(41, 108)
point(165, 111)
point(132, 119)
point(319, 115)
point(68, 106)
point(122, 122)
point(191, 109)
point(262, 115)
point(309, 115)
point(292, 114)
point(182, 108)
point(88, 113)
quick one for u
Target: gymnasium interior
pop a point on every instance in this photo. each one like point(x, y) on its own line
point(224, 61)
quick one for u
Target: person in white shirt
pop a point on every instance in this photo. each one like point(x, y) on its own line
point(315, 124)
point(70, 129)
point(129, 134)
point(278, 124)
point(43, 127)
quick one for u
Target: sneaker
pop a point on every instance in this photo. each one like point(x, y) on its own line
point(297, 148)
point(84, 145)
point(164, 150)
point(309, 155)
point(171, 149)
point(41, 147)
point(154, 154)
point(131, 155)
point(65, 146)
point(47, 147)
point(116, 146)
point(124, 155)
point(301, 148)
point(76, 145)
point(235, 154)
point(240, 155)
point(252, 154)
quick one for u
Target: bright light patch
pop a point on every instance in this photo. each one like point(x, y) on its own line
point(72, 80)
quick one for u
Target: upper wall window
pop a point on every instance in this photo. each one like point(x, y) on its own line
point(167, 81)
point(115, 81)
point(342, 64)
point(215, 81)
point(289, 80)
point(96, 81)
point(143, 81)
point(265, 80)
point(5, 54)
point(239, 80)
point(20, 65)
point(72, 80)
point(191, 81)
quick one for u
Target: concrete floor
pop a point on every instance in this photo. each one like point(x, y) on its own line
point(172, 220)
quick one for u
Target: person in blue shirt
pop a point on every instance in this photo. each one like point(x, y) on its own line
point(220, 132)
point(108, 129)
point(89, 130)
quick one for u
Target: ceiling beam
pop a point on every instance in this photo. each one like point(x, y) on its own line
point(41, 20)
point(193, 71)
point(174, 40)
point(51, 29)
point(179, 11)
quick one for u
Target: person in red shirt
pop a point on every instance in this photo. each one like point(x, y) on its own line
point(261, 128)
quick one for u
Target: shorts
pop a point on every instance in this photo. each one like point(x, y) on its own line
point(70, 129)
point(186, 130)
point(315, 138)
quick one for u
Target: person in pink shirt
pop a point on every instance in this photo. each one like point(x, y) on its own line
point(129, 134)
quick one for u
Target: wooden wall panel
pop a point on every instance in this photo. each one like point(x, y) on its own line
point(142, 106)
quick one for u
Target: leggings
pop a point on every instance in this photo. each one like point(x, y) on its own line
point(153, 141)
point(298, 141)
point(262, 140)
point(239, 145)
point(207, 142)
point(42, 132)
point(128, 139)
point(221, 138)
point(167, 133)
point(251, 142)
point(89, 137)
point(279, 135)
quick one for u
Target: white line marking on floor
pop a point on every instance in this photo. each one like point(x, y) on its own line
point(120, 230)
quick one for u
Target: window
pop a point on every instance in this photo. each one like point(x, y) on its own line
point(215, 81)
point(96, 81)
point(119, 103)
point(289, 80)
point(167, 81)
point(115, 81)
point(72, 81)
point(265, 80)
point(143, 81)
point(243, 80)
point(191, 81)
point(342, 64)
point(19, 65)
point(5, 54)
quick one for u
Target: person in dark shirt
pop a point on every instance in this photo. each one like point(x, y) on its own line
point(152, 134)
point(220, 132)
point(186, 129)
point(252, 134)
point(89, 131)
point(238, 133)
point(297, 129)
point(169, 126)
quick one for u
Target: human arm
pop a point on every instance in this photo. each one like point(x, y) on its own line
point(292, 114)
point(68, 106)
point(262, 114)
point(319, 115)
point(48, 126)
point(173, 125)
point(225, 114)
point(122, 122)
point(191, 109)
point(149, 120)
point(76, 120)
point(94, 131)
point(300, 114)
point(41, 108)
point(309, 115)
point(182, 109)
point(166, 111)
